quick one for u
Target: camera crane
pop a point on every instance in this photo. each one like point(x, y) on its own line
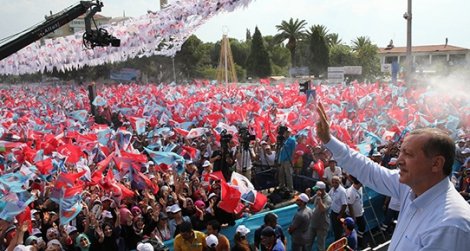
point(91, 38)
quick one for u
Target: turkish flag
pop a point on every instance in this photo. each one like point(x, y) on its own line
point(230, 197)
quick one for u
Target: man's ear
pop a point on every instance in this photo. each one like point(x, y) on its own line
point(438, 164)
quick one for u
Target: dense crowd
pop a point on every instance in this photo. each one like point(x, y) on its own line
point(159, 163)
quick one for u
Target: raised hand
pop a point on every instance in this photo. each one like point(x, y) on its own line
point(323, 125)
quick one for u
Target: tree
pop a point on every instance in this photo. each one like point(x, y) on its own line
point(189, 57)
point(258, 63)
point(333, 39)
point(292, 31)
point(248, 35)
point(367, 56)
point(342, 55)
point(319, 51)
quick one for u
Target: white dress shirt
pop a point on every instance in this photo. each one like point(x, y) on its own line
point(439, 219)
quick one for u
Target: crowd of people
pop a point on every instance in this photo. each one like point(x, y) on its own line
point(70, 183)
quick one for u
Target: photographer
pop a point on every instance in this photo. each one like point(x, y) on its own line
point(285, 147)
point(245, 153)
point(222, 159)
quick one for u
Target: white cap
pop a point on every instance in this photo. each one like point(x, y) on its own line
point(22, 248)
point(211, 195)
point(54, 242)
point(145, 247)
point(175, 208)
point(70, 229)
point(243, 230)
point(107, 214)
point(466, 151)
point(303, 197)
point(320, 185)
point(212, 241)
point(206, 163)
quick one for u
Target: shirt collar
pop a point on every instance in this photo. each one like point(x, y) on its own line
point(428, 196)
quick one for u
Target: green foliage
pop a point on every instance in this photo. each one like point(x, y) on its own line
point(292, 31)
point(207, 72)
point(367, 57)
point(258, 63)
point(319, 51)
point(189, 57)
point(341, 55)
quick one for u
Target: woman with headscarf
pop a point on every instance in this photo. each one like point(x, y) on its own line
point(82, 242)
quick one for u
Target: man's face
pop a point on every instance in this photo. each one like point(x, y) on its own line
point(187, 235)
point(267, 240)
point(211, 230)
point(415, 167)
point(332, 165)
point(335, 183)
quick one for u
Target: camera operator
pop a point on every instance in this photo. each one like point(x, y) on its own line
point(266, 156)
point(285, 147)
point(245, 153)
point(222, 159)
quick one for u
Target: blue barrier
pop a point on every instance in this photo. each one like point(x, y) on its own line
point(285, 215)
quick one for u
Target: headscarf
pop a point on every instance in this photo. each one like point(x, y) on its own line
point(77, 242)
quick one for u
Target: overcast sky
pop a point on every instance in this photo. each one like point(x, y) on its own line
point(380, 20)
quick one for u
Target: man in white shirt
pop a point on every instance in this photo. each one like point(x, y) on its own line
point(339, 203)
point(433, 215)
point(330, 171)
point(356, 208)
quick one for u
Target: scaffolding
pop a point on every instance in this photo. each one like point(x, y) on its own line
point(226, 70)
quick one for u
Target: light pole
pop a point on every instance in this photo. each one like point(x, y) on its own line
point(409, 60)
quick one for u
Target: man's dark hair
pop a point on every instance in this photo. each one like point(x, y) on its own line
point(186, 227)
point(270, 217)
point(215, 225)
point(438, 143)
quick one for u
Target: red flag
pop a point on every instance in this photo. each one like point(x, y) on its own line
point(68, 179)
point(217, 175)
point(125, 192)
point(72, 152)
point(72, 191)
point(260, 202)
point(191, 150)
point(230, 197)
point(25, 216)
point(139, 158)
point(181, 132)
point(45, 166)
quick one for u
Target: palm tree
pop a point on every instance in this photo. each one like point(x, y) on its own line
point(321, 29)
point(291, 31)
point(318, 49)
point(367, 55)
point(361, 43)
point(333, 39)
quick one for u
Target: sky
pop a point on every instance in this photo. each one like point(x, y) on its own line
point(380, 20)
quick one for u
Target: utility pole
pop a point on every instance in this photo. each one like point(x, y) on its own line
point(409, 60)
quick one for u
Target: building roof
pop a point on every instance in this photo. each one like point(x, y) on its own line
point(96, 16)
point(422, 48)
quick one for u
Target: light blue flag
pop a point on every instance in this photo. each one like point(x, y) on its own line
point(13, 204)
point(80, 115)
point(99, 101)
point(15, 182)
point(70, 208)
point(169, 158)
